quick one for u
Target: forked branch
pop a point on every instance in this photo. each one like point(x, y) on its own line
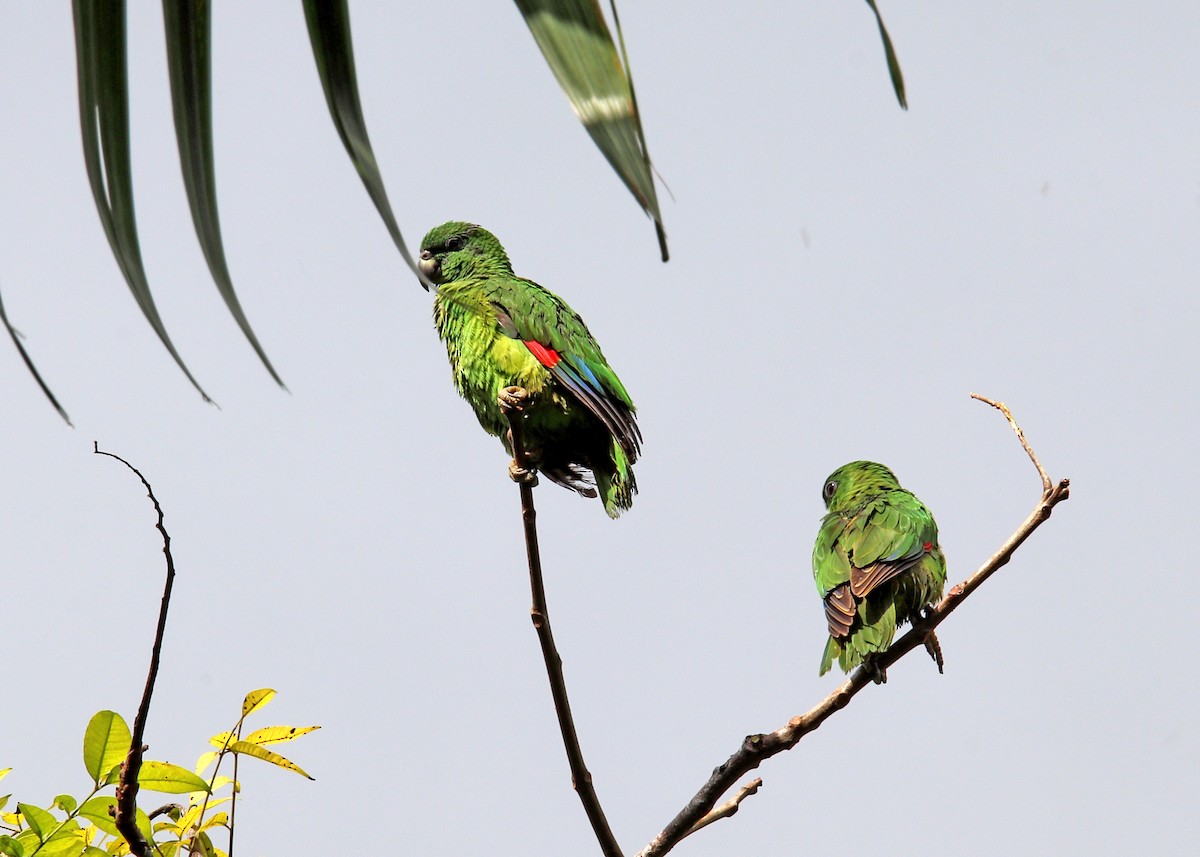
point(755, 749)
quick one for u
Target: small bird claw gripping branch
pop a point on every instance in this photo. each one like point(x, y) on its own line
point(755, 749)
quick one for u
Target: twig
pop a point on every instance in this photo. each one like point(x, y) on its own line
point(729, 807)
point(1003, 408)
point(512, 403)
point(127, 789)
point(756, 749)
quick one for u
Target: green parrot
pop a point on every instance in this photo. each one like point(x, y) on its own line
point(877, 565)
point(502, 330)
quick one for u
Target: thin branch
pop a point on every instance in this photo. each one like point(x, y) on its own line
point(756, 749)
point(729, 807)
point(1003, 408)
point(512, 403)
point(127, 789)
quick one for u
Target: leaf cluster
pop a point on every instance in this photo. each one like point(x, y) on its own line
point(70, 827)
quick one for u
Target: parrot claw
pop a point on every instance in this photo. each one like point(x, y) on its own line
point(935, 651)
point(521, 475)
point(877, 673)
point(513, 399)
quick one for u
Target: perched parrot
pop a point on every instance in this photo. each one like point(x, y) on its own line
point(877, 564)
point(502, 330)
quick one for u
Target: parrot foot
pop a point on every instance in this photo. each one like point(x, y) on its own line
point(521, 475)
point(877, 673)
point(513, 399)
point(935, 651)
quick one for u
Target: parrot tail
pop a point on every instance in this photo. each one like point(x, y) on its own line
point(616, 486)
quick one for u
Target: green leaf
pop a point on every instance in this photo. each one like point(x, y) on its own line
point(65, 841)
point(278, 734)
point(28, 361)
point(4, 800)
point(104, 120)
point(28, 841)
point(255, 700)
point(106, 743)
point(96, 811)
point(11, 847)
point(189, 59)
point(333, 50)
point(93, 851)
point(41, 822)
point(892, 62)
point(248, 749)
point(168, 778)
point(66, 803)
point(578, 47)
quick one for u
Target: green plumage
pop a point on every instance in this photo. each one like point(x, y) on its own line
point(876, 562)
point(502, 330)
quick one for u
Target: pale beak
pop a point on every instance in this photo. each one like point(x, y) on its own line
point(429, 267)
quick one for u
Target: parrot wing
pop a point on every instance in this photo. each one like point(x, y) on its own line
point(558, 339)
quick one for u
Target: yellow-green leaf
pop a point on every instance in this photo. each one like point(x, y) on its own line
point(64, 842)
point(66, 803)
point(278, 734)
point(168, 778)
point(256, 699)
point(4, 800)
point(11, 847)
point(4, 772)
point(105, 743)
point(95, 810)
point(187, 820)
point(220, 819)
point(205, 760)
point(39, 820)
point(248, 749)
point(12, 819)
point(28, 841)
point(93, 851)
point(221, 740)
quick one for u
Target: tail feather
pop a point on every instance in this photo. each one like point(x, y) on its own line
point(617, 486)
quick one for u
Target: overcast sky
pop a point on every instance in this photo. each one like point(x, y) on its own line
point(843, 275)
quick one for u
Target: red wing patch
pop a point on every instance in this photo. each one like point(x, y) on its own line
point(548, 357)
point(928, 547)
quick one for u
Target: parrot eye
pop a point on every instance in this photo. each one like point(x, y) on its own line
point(830, 489)
point(456, 243)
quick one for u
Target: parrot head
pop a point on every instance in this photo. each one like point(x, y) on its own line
point(457, 250)
point(847, 486)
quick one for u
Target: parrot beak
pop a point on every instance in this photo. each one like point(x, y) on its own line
point(428, 266)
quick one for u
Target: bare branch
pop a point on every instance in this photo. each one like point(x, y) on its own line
point(729, 807)
point(512, 403)
point(1003, 408)
point(127, 789)
point(756, 749)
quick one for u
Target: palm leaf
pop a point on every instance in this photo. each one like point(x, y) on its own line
point(333, 50)
point(890, 52)
point(189, 58)
point(104, 121)
point(578, 46)
point(16, 338)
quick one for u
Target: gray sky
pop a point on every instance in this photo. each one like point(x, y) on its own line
point(844, 274)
